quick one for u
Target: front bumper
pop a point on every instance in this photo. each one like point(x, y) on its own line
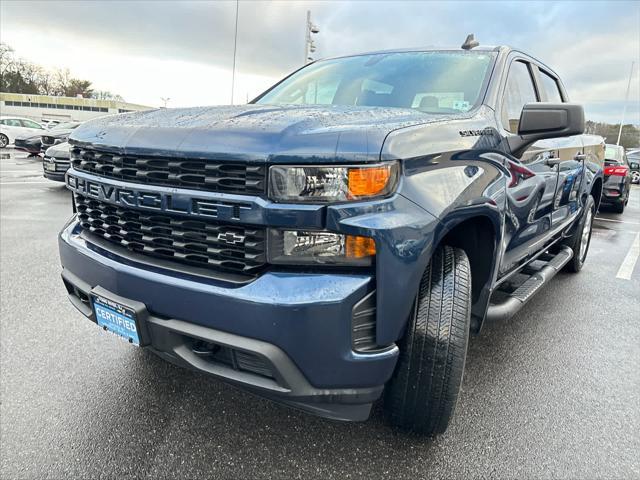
point(297, 326)
point(56, 176)
point(30, 148)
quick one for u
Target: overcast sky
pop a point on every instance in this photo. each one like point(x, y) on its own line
point(184, 50)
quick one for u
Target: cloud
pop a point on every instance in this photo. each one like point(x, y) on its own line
point(184, 49)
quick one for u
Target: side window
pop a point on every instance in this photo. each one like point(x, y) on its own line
point(550, 86)
point(13, 122)
point(518, 92)
point(30, 124)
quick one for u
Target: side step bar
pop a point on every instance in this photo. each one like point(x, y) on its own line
point(517, 299)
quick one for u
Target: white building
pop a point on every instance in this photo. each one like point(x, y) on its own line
point(63, 109)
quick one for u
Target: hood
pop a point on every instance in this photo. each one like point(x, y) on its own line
point(252, 132)
point(58, 132)
point(61, 150)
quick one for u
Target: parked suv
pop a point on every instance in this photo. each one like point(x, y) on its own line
point(340, 237)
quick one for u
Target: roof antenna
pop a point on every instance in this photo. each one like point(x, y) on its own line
point(470, 42)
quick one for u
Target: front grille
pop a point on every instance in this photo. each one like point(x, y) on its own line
point(213, 176)
point(60, 165)
point(196, 243)
point(48, 141)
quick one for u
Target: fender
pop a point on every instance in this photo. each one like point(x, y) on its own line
point(468, 220)
point(464, 190)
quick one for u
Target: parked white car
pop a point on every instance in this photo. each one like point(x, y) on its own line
point(11, 127)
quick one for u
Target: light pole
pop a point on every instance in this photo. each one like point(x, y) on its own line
point(309, 46)
point(235, 47)
point(626, 100)
point(164, 101)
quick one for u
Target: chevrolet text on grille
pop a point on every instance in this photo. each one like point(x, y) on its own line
point(160, 201)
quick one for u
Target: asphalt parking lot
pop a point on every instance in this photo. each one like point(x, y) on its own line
point(554, 392)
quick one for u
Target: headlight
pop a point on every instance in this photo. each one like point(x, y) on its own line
point(296, 247)
point(322, 184)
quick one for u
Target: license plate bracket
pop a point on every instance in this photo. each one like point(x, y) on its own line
point(117, 316)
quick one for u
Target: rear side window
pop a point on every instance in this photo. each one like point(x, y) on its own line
point(12, 122)
point(518, 92)
point(551, 88)
point(30, 124)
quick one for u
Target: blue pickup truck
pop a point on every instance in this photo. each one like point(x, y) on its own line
point(338, 239)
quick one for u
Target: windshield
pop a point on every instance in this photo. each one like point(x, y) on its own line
point(433, 82)
point(65, 126)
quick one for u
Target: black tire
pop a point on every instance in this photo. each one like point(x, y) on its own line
point(4, 140)
point(422, 394)
point(576, 240)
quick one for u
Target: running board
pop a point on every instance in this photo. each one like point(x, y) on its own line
point(522, 294)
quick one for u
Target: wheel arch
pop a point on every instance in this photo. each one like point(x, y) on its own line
point(596, 191)
point(477, 231)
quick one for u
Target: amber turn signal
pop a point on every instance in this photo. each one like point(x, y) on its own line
point(359, 247)
point(369, 181)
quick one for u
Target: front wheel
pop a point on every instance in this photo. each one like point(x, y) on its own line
point(422, 394)
point(581, 238)
point(4, 140)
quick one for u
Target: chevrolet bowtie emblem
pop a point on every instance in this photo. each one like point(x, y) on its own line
point(231, 238)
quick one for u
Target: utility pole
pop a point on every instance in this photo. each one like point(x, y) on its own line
point(309, 46)
point(164, 101)
point(235, 47)
point(626, 100)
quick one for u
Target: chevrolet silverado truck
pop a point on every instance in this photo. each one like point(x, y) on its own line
point(337, 240)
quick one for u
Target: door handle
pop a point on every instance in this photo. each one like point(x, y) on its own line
point(552, 161)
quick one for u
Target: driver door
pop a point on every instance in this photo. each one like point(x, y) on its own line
point(534, 177)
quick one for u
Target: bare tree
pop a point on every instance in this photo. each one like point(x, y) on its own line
point(21, 76)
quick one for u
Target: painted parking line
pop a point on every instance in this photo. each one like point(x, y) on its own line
point(617, 221)
point(628, 264)
point(26, 183)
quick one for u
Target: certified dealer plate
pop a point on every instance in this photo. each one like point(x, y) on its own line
point(116, 318)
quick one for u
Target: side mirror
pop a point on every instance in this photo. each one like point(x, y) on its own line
point(546, 120)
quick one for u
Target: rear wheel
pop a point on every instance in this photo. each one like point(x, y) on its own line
point(423, 392)
point(4, 140)
point(581, 238)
